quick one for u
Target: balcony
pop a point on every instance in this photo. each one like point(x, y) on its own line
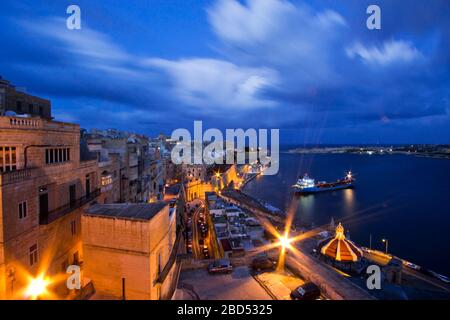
point(133, 174)
point(67, 208)
point(17, 176)
point(36, 123)
point(133, 160)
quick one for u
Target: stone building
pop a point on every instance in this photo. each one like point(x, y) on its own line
point(195, 172)
point(44, 186)
point(143, 264)
point(22, 103)
point(109, 166)
point(156, 180)
point(139, 176)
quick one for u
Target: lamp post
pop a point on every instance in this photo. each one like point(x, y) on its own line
point(386, 243)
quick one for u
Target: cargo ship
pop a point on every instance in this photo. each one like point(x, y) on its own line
point(307, 185)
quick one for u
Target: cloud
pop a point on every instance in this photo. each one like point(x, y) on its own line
point(211, 83)
point(87, 48)
point(278, 63)
point(390, 53)
point(258, 21)
point(296, 40)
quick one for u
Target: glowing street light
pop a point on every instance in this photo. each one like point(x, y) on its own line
point(386, 242)
point(285, 242)
point(37, 287)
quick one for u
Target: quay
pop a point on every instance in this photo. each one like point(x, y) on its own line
point(334, 283)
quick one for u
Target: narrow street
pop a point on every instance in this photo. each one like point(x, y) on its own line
point(201, 239)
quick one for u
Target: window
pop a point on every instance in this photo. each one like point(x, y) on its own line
point(8, 159)
point(22, 209)
point(19, 106)
point(30, 109)
point(41, 110)
point(76, 258)
point(73, 227)
point(106, 180)
point(33, 254)
point(57, 155)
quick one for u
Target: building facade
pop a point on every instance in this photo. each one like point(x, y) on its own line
point(139, 177)
point(44, 185)
point(142, 265)
point(22, 103)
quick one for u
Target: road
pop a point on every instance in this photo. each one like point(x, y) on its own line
point(195, 234)
point(279, 283)
point(197, 249)
point(239, 285)
point(382, 260)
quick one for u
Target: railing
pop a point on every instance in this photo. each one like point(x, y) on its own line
point(67, 208)
point(36, 123)
point(24, 122)
point(15, 176)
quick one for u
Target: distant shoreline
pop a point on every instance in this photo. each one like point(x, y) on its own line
point(427, 151)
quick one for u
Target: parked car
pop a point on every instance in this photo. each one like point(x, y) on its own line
point(263, 263)
point(307, 291)
point(220, 266)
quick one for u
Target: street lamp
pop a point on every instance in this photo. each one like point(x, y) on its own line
point(386, 243)
point(37, 287)
point(285, 242)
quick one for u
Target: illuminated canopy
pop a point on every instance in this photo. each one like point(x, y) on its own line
point(341, 249)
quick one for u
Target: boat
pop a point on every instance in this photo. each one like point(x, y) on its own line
point(307, 185)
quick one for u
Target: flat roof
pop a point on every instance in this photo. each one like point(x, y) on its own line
point(129, 211)
point(173, 189)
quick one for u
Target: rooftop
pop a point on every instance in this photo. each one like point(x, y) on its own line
point(128, 211)
point(173, 189)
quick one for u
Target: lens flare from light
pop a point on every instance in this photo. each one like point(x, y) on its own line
point(285, 242)
point(37, 287)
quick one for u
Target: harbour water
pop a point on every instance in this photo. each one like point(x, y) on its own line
point(404, 199)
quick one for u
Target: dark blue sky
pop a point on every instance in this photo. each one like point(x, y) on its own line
point(311, 69)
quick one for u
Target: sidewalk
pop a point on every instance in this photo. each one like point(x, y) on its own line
point(279, 283)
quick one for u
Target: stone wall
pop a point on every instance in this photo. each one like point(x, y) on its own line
point(58, 242)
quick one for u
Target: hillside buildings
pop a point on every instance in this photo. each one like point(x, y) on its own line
point(50, 173)
point(131, 170)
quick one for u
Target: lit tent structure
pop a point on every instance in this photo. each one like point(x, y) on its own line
point(340, 249)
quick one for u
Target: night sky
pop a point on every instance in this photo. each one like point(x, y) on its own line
point(310, 68)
